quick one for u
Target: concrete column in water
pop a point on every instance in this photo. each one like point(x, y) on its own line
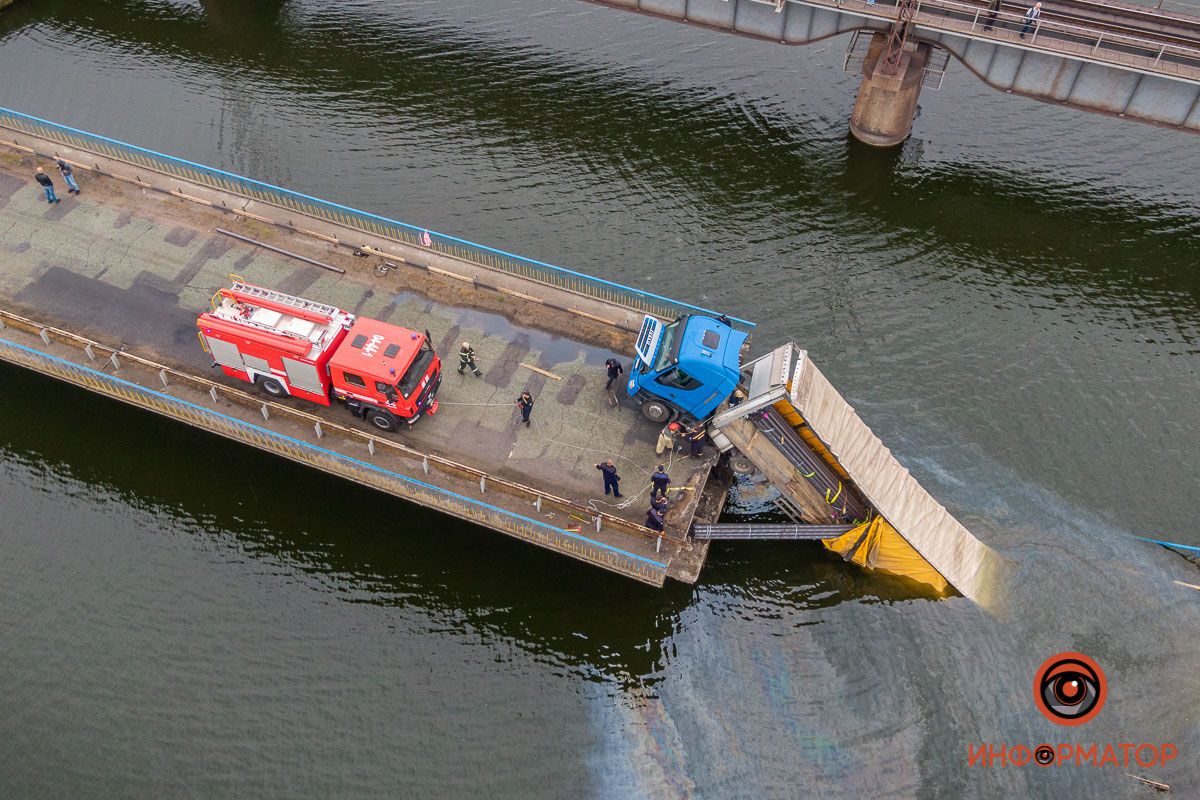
point(883, 113)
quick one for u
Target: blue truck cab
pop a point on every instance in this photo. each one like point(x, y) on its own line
point(686, 368)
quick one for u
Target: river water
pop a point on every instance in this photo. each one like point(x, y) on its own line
point(1009, 299)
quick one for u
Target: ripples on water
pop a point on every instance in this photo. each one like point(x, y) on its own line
point(1009, 299)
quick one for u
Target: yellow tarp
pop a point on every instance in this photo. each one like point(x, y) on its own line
point(876, 544)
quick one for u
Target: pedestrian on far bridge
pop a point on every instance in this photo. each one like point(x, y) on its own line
point(47, 185)
point(1031, 17)
point(612, 481)
point(993, 10)
point(525, 404)
point(659, 481)
point(614, 371)
point(466, 358)
point(68, 174)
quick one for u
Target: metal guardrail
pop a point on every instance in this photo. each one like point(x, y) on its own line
point(775, 531)
point(1100, 44)
point(582, 547)
point(452, 246)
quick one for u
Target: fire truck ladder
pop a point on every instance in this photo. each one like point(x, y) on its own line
point(239, 285)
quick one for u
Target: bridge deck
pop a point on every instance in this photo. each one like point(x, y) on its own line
point(131, 268)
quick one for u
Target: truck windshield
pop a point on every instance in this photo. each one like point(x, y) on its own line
point(668, 348)
point(416, 370)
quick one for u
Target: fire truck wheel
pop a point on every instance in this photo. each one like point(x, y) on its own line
point(382, 420)
point(272, 387)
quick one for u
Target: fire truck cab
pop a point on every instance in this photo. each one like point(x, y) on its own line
point(289, 346)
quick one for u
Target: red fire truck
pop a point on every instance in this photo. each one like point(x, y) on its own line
point(291, 346)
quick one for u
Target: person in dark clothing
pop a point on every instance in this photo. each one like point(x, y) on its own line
point(993, 10)
point(68, 174)
point(654, 519)
point(47, 185)
point(660, 503)
point(466, 358)
point(736, 398)
point(525, 403)
point(659, 480)
point(611, 479)
point(695, 437)
point(614, 371)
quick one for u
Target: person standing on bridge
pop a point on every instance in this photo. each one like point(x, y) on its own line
point(612, 480)
point(659, 479)
point(1031, 17)
point(695, 437)
point(525, 403)
point(68, 174)
point(993, 10)
point(654, 519)
point(614, 371)
point(466, 358)
point(666, 438)
point(47, 185)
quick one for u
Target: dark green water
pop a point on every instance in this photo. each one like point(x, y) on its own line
point(1010, 299)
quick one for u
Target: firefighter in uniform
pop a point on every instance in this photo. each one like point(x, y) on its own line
point(666, 438)
point(614, 371)
point(466, 358)
point(654, 518)
point(525, 403)
point(695, 437)
point(659, 479)
point(612, 481)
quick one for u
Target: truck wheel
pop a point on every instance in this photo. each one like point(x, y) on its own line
point(656, 411)
point(272, 387)
point(382, 420)
point(741, 465)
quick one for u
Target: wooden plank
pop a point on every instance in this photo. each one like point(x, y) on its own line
point(541, 371)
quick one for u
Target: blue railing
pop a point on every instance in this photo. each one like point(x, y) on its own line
point(540, 271)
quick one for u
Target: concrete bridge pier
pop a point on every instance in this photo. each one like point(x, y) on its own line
point(883, 113)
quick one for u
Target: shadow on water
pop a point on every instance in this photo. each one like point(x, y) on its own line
point(237, 18)
point(729, 155)
point(365, 547)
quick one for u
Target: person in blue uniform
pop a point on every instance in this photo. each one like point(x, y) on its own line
point(525, 403)
point(659, 481)
point(654, 518)
point(611, 479)
point(614, 371)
